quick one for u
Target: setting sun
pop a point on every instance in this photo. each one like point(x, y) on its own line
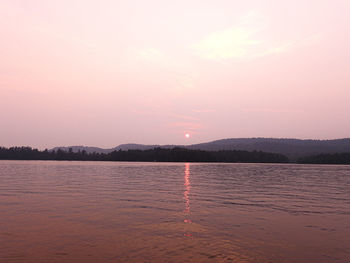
point(99, 103)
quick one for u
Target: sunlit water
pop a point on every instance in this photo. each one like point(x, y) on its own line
point(150, 212)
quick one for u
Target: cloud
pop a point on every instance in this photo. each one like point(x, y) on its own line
point(240, 41)
point(152, 54)
point(65, 37)
point(177, 73)
point(229, 43)
point(182, 116)
point(189, 126)
point(203, 110)
point(270, 110)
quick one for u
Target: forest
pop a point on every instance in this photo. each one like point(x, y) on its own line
point(176, 154)
point(335, 158)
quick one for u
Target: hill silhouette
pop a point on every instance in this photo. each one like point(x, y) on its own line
point(293, 148)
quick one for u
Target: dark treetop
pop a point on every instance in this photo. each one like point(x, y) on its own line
point(157, 154)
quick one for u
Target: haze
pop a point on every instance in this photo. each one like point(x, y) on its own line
point(101, 73)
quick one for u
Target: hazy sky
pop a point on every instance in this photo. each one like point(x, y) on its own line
point(101, 73)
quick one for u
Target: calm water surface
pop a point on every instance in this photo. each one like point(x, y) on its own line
point(149, 212)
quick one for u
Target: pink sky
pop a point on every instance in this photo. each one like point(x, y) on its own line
point(101, 73)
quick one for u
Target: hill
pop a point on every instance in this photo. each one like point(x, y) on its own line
point(88, 149)
point(293, 148)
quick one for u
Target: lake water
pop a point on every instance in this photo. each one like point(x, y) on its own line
point(173, 212)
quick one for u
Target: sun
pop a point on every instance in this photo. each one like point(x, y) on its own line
point(187, 135)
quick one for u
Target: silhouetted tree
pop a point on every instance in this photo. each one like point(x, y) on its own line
point(157, 154)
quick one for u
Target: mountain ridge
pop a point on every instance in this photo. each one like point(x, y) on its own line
point(293, 148)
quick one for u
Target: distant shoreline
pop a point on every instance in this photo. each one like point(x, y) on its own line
point(173, 155)
point(175, 162)
point(152, 155)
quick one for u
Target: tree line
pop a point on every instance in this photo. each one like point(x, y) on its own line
point(335, 158)
point(153, 155)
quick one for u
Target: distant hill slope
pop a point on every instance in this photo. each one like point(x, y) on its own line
point(134, 146)
point(123, 147)
point(293, 148)
point(81, 148)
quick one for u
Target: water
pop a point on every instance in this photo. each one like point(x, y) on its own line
point(150, 212)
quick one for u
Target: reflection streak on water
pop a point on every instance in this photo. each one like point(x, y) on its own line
point(186, 197)
point(187, 188)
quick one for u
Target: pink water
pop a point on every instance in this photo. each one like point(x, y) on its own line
point(150, 212)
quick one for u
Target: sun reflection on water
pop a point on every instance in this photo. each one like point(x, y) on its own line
point(187, 184)
point(187, 188)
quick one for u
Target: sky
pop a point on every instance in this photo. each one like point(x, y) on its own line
point(102, 73)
